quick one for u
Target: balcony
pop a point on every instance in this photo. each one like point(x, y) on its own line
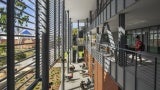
point(128, 71)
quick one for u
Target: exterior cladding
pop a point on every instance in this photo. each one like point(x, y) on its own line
point(88, 60)
point(98, 76)
point(102, 79)
point(89, 64)
point(109, 83)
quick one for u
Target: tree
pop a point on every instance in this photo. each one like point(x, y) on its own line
point(3, 20)
point(75, 31)
point(20, 18)
point(19, 14)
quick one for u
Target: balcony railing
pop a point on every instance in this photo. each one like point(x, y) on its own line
point(125, 68)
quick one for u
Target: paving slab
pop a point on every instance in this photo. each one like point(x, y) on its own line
point(74, 83)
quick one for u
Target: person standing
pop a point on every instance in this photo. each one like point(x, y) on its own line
point(138, 48)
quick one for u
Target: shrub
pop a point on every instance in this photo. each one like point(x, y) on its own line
point(20, 56)
point(3, 61)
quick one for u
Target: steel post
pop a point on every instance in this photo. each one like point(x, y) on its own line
point(37, 42)
point(45, 52)
point(10, 45)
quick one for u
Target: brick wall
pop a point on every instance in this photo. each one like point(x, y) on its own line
point(23, 41)
point(98, 76)
point(102, 79)
point(109, 84)
point(85, 55)
point(89, 65)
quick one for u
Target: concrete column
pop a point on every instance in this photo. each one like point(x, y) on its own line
point(77, 56)
point(90, 13)
point(122, 43)
point(122, 38)
point(68, 42)
point(121, 30)
point(71, 55)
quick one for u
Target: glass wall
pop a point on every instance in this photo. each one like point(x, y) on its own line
point(153, 40)
point(150, 36)
point(158, 40)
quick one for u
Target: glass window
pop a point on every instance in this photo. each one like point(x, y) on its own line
point(158, 40)
point(105, 14)
point(158, 37)
point(129, 39)
point(102, 17)
point(99, 18)
point(145, 30)
point(153, 39)
point(155, 36)
point(113, 10)
point(97, 21)
point(129, 32)
point(133, 37)
point(108, 11)
point(138, 31)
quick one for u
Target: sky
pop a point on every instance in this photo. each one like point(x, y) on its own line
point(27, 10)
point(75, 25)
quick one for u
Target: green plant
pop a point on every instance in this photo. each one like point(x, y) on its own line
point(18, 13)
point(20, 56)
point(2, 54)
point(74, 31)
point(2, 48)
point(3, 19)
point(28, 54)
point(3, 61)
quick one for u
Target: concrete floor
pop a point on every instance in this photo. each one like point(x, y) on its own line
point(74, 83)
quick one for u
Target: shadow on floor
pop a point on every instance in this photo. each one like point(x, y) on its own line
point(75, 79)
point(77, 70)
point(75, 88)
point(72, 80)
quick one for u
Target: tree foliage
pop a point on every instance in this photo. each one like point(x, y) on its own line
point(3, 18)
point(75, 31)
point(18, 13)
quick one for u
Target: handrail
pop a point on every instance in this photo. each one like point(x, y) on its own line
point(143, 72)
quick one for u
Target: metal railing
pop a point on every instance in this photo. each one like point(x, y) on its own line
point(23, 47)
point(126, 68)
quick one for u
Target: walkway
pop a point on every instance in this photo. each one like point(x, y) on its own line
point(74, 83)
